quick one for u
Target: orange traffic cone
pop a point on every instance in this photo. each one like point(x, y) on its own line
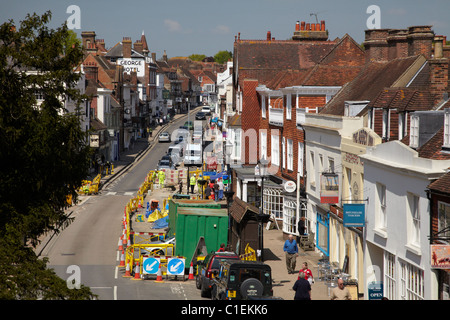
point(191, 272)
point(127, 272)
point(120, 244)
point(137, 274)
point(122, 260)
point(159, 275)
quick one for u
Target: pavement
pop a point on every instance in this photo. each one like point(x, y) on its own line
point(273, 239)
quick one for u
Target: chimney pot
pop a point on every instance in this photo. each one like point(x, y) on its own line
point(269, 36)
point(297, 26)
point(308, 27)
point(322, 25)
point(302, 27)
point(438, 47)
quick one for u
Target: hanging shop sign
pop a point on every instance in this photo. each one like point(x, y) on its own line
point(440, 256)
point(290, 186)
point(329, 188)
point(354, 215)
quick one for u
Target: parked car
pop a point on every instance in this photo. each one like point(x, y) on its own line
point(242, 280)
point(159, 251)
point(200, 116)
point(206, 110)
point(208, 269)
point(173, 158)
point(166, 164)
point(164, 137)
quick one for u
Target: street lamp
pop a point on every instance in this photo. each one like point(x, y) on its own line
point(229, 191)
point(262, 168)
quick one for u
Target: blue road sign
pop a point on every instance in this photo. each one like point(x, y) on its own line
point(150, 265)
point(175, 266)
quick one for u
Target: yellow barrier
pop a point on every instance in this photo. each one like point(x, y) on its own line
point(249, 255)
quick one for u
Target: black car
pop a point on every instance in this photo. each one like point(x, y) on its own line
point(242, 280)
point(200, 116)
point(208, 268)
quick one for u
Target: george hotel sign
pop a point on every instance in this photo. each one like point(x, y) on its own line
point(132, 64)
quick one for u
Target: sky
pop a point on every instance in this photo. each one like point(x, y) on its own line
point(184, 27)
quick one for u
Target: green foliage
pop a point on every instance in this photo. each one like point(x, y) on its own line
point(223, 56)
point(44, 154)
point(197, 57)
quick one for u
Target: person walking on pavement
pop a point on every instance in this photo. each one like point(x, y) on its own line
point(302, 288)
point(207, 191)
point(220, 183)
point(216, 191)
point(192, 182)
point(307, 272)
point(291, 251)
point(340, 292)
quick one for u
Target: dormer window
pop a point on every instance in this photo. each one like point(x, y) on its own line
point(414, 132)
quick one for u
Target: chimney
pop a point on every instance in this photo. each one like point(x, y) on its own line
point(438, 72)
point(438, 47)
point(310, 32)
point(87, 38)
point(420, 40)
point(139, 46)
point(297, 26)
point(397, 43)
point(269, 36)
point(154, 57)
point(126, 47)
point(375, 44)
point(90, 70)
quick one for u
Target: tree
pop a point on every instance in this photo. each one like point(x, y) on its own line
point(44, 153)
point(197, 57)
point(223, 56)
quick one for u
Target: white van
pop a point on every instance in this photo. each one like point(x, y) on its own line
point(193, 155)
point(176, 153)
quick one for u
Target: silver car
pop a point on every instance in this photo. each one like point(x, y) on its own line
point(164, 137)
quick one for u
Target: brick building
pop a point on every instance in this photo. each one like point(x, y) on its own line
point(275, 83)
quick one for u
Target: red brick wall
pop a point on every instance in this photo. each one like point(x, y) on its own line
point(250, 119)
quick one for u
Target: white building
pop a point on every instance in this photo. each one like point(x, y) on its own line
point(397, 251)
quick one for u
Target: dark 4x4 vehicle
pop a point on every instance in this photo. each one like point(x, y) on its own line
point(209, 268)
point(239, 280)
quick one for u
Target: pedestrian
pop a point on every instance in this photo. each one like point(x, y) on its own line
point(307, 272)
point(180, 186)
point(192, 182)
point(302, 288)
point(340, 292)
point(222, 248)
point(300, 228)
point(291, 251)
point(207, 191)
point(220, 183)
point(216, 191)
point(161, 178)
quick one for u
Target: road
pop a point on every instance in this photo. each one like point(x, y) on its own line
point(90, 243)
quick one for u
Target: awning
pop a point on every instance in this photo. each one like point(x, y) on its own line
point(240, 209)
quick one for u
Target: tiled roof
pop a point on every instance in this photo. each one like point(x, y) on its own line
point(403, 99)
point(373, 78)
point(432, 149)
point(442, 184)
point(279, 64)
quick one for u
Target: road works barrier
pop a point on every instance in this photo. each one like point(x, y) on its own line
point(249, 255)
